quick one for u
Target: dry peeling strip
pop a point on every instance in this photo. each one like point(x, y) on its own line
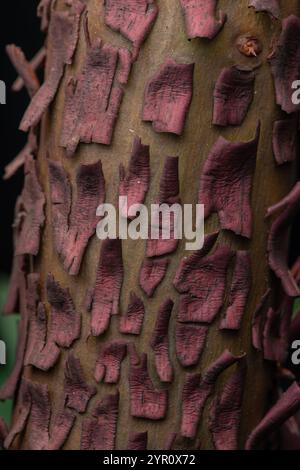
point(276, 331)
point(26, 153)
point(21, 414)
point(200, 18)
point(160, 342)
point(63, 35)
point(168, 96)
point(99, 430)
point(108, 363)
point(168, 194)
point(74, 218)
point(287, 405)
point(3, 432)
point(132, 322)
point(152, 274)
point(239, 292)
point(136, 183)
point(197, 390)
point(285, 140)
point(138, 441)
point(32, 206)
point(270, 6)
point(202, 282)
point(105, 297)
point(258, 321)
point(233, 95)
point(77, 391)
point(285, 63)
point(44, 12)
point(24, 69)
point(278, 239)
point(35, 63)
point(226, 183)
point(134, 19)
point(226, 410)
point(145, 401)
point(190, 342)
point(93, 99)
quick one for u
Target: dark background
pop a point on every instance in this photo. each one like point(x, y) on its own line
point(19, 25)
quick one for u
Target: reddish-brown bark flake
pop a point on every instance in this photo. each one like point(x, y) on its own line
point(279, 238)
point(99, 431)
point(287, 405)
point(190, 343)
point(226, 183)
point(106, 293)
point(234, 92)
point(202, 281)
point(22, 410)
point(138, 441)
point(239, 292)
point(285, 141)
point(135, 184)
point(39, 417)
point(134, 19)
point(270, 6)
point(197, 390)
point(168, 96)
point(145, 401)
point(285, 63)
point(258, 321)
point(93, 99)
point(226, 409)
point(152, 274)
point(44, 12)
point(200, 18)
point(160, 342)
point(24, 69)
point(132, 322)
point(3, 432)
point(26, 154)
point(108, 364)
point(32, 212)
point(36, 63)
point(166, 243)
point(62, 425)
point(77, 391)
point(75, 223)
point(63, 36)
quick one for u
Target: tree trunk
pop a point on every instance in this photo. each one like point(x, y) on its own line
point(168, 38)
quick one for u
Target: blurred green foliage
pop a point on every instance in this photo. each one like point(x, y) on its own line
point(8, 334)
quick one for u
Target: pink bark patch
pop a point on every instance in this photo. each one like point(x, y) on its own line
point(200, 18)
point(108, 364)
point(74, 224)
point(77, 391)
point(168, 96)
point(26, 154)
point(134, 19)
point(145, 401)
point(31, 212)
point(136, 183)
point(190, 343)
point(226, 410)
point(198, 389)
point(285, 141)
point(21, 414)
point(105, 297)
point(258, 321)
point(239, 292)
point(138, 441)
point(152, 274)
point(132, 322)
point(60, 429)
point(270, 6)
point(276, 331)
point(287, 405)
point(35, 63)
point(63, 36)
point(169, 195)
point(279, 240)
point(226, 184)
point(99, 431)
point(65, 326)
point(93, 99)
point(285, 63)
point(160, 342)
point(233, 95)
point(44, 12)
point(201, 279)
point(24, 69)
point(39, 418)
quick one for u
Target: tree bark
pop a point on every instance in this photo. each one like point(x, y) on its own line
point(168, 39)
